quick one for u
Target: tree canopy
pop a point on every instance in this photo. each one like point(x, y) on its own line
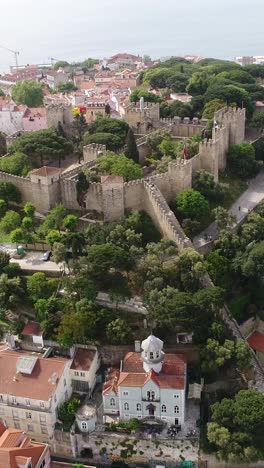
point(28, 92)
point(120, 165)
point(42, 145)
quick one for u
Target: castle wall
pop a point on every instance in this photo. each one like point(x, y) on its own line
point(94, 199)
point(113, 198)
point(209, 154)
point(22, 183)
point(93, 151)
point(134, 193)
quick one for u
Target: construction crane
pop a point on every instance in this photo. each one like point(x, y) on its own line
point(52, 60)
point(15, 52)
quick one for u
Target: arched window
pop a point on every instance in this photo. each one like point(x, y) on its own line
point(176, 409)
point(126, 406)
point(138, 407)
point(151, 355)
point(163, 409)
point(151, 395)
point(112, 402)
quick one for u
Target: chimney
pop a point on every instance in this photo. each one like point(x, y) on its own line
point(137, 346)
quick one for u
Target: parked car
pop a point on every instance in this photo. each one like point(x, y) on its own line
point(46, 256)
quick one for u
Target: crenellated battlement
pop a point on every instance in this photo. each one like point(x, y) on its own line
point(93, 151)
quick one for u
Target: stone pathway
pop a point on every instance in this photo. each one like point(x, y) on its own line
point(240, 209)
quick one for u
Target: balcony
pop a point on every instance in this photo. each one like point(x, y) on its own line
point(151, 399)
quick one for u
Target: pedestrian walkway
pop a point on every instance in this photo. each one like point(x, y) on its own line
point(240, 209)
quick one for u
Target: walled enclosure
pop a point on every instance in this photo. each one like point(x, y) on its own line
point(113, 196)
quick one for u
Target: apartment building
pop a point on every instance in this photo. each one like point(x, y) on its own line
point(32, 388)
point(17, 450)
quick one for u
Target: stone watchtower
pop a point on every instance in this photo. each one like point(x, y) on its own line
point(59, 112)
point(93, 151)
point(45, 183)
point(142, 116)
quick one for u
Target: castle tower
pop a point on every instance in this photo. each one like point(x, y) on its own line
point(45, 183)
point(152, 355)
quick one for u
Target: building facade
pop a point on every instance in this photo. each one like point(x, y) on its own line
point(17, 450)
point(150, 384)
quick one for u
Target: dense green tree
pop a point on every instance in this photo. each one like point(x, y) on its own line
point(103, 257)
point(77, 327)
point(219, 269)
point(198, 83)
point(120, 165)
point(211, 107)
point(223, 218)
point(70, 222)
point(3, 147)
point(253, 262)
point(43, 144)
point(118, 128)
point(82, 186)
point(241, 160)
point(53, 236)
point(17, 164)
point(10, 291)
point(258, 121)
point(29, 210)
point(61, 64)
point(9, 192)
point(118, 332)
point(4, 260)
point(131, 151)
point(17, 236)
point(236, 430)
point(107, 109)
point(38, 286)
point(111, 141)
point(192, 203)
point(10, 221)
point(66, 87)
point(28, 92)
point(231, 94)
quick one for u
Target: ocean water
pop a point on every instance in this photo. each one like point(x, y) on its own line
point(74, 30)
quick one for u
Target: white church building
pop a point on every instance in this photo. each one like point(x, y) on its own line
point(149, 384)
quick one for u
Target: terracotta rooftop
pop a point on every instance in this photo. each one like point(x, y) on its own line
point(46, 171)
point(256, 341)
point(83, 359)
point(110, 384)
point(16, 449)
point(32, 329)
point(36, 112)
point(38, 385)
point(161, 380)
point(111, 179)
point(173, 364)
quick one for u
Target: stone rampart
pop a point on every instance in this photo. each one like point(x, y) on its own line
point(22, 183)
point(162, 216)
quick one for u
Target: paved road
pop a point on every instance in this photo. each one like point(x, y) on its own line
point(247, 202)
point(31, 261)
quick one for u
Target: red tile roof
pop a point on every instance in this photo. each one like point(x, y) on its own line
point(161, 380)
point(17, 449)
point(111, 179)
point(83, 359)
point(46, 171)
point(38, 385)
point(110, 384)
point(173, 364)
point(32, 329)
point(256, 341)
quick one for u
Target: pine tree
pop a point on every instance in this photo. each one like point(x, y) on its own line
point(107, 110)
point(131, 151)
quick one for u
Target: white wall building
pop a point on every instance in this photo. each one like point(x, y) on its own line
point(150, 384)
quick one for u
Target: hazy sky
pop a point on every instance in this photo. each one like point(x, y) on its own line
point(68, 29)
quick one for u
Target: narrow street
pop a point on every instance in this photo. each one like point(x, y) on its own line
point(240, 209)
